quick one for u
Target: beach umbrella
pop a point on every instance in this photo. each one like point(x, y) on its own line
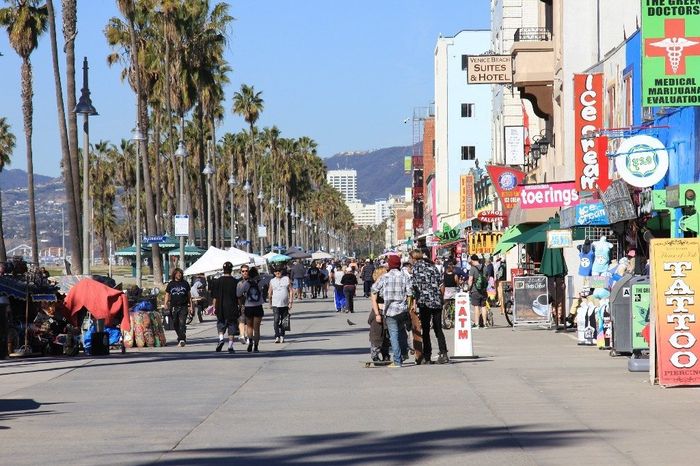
point(553, 263)
point(278, 258)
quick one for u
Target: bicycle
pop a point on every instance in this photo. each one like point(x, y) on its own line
point(507, 302)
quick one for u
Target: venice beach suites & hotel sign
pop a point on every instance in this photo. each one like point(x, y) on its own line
point(670, 53)
point(489, 69)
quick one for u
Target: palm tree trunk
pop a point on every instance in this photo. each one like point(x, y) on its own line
point(3, 251)
point(27, 112)
point(69, 8)
point(73, 228)
point(157, 181)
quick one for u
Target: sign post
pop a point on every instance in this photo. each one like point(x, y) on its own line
point(463, 344)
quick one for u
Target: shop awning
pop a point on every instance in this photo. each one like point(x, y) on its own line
point(506, 243)
point(538, 234)
point(538, 215)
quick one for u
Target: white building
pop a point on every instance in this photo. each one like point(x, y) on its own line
point(463, 115)
point(345, 181)
point(369, 214)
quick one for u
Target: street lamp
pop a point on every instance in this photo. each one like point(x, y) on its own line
point(272, 221)
point(137, 137)
point(261, 196)
point(181, 152)
point(208, 171)
point(232, 183)
point(86, 109)
point(247, 188)
point(279, 219)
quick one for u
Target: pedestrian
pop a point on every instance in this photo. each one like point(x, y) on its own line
point(314, 280)
point(428, 301)
point(226, 307)
point(450, 283)
point(178, 300)
point(366, 274)
point(250, 292)
point(396, 289)
point(349, 282)
point(337, 279)
point(324, 274)
point(281, 297)
point(477, 284)
point(298, 275)
point(378, 333)
point(242, 324)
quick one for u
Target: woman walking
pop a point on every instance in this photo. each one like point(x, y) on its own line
point(178, 299)
point(349, 282)
point(281, 299)
point(250, 292)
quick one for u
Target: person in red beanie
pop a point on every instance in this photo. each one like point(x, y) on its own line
point(396, 288)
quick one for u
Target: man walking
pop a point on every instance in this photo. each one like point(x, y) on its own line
point(477, 284)
point(396, 289)
point(281, 299)
point(298, 275)
point(426, 287)
point(226, 306)
point(366, 274)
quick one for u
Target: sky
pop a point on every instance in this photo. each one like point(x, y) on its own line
point(344, 73)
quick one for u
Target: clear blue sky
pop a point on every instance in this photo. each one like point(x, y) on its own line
point(343, 73)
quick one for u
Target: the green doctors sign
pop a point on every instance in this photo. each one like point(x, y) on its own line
point(670, 53)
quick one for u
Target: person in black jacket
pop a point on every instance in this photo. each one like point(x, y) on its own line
point(366, 274)
point(349, 282)
point(226, 305)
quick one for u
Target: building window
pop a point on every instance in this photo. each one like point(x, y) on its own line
point(467, 110)
point(465, 59)
point(468, 152)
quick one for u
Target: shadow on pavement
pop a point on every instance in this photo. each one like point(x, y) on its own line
point(374, 448)
point(21, 408)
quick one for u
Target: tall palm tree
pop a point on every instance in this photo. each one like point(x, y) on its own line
point(7, 146)
point(66, 161)
point(249, 104)
point(103, 193)
point(25, 21)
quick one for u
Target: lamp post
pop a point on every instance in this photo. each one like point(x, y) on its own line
point(208, 171)
point(287, 222)
point(232, 184)
point(86, 109)
point(137, 138)
point(261, 196)
point(181, 152)
point(273, 203)
point(279, 219)
point(247, 189)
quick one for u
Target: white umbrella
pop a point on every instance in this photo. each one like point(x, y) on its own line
point(321, 255)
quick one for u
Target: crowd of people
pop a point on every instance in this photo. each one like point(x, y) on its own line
point(407, 300)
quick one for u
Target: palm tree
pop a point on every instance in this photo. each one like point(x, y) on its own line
point(25, 21)
point(103, 193)
point(7, 146)
point(66, 161)
point(249, 104)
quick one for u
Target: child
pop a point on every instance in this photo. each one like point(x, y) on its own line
point(378, 338)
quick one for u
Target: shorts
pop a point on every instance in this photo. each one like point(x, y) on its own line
point(298, 283)
point(477, 299)
point(255, 311)
point(222, 326)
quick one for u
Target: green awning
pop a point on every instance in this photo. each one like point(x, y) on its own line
point(506, 242)
point(538, 234)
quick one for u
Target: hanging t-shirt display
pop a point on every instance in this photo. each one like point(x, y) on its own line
point(585, 263)
point(602, 256)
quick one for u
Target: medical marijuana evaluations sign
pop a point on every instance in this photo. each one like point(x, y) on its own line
point(670, 53)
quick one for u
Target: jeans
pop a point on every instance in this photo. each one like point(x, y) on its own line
point(349, 292)
point(397, 334)
point(279, 313)
point(367, 288)
point(180, 322)
point(426, 315)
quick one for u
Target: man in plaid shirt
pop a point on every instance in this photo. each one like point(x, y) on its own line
point(426, 286)
point(395, 288)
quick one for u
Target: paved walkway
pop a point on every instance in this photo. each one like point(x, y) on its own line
point(533, 397)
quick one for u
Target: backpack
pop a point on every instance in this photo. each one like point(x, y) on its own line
point(253, 293)
point(480, 281)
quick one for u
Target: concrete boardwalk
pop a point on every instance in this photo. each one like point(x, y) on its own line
point(533, 397)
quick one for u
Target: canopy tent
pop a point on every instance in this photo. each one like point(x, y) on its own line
point(321, 255)
point(130, 251)
point(297, 253)
point(257, 260)
point(212, 261)
point(190, 251)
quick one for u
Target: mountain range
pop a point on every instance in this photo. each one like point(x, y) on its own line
point(380, 172)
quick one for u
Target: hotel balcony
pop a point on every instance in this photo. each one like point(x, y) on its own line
point(533, 67)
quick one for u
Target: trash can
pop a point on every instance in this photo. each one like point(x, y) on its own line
point(621, 313)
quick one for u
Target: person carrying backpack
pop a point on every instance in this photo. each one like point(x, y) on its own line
point(477, 284)
point(250, 292)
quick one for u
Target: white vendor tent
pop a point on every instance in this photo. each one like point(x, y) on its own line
point(213, 260)
point(321, 255)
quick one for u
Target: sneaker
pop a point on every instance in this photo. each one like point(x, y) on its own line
point(255, 349)
point(443, 359)
point(277, 339)
point(219, 345)
point(250, 346)
point(231, 350)
point(181, 343)
point(282, 339)
point(393, 364)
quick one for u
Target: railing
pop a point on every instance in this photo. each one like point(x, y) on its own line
point(532, 34)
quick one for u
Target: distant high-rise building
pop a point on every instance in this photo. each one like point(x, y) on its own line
point(345, 181)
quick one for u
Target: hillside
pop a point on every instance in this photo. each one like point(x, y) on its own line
point(379, 172)
point(15, 178)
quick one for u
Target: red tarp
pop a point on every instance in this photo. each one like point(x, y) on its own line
point(102, 301)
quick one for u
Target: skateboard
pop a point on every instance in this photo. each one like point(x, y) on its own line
point(369, 364)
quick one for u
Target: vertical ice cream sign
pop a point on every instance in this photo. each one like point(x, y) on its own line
point(676, 273)
point(591, 168)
